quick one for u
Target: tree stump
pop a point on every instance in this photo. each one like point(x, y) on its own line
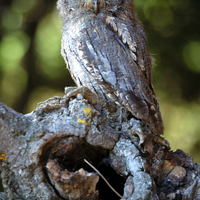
point(42, 156)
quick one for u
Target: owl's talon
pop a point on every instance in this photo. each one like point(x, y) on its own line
point(79, 96)
point(77, 92)
point(81, 93)
point(68, 90)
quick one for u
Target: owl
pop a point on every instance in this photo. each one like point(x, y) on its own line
point(105, 48)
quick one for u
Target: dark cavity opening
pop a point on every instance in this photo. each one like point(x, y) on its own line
point(71, 156)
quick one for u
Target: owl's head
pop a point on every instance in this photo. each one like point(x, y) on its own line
point(72, 6)
point(66, 7)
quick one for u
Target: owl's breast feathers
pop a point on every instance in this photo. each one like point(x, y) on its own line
point(109, 55)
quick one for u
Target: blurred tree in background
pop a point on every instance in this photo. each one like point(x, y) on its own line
point(32, 69)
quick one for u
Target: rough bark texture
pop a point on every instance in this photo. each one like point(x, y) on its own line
point(42, 156)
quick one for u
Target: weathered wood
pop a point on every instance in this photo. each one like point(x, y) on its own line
point(42, 155)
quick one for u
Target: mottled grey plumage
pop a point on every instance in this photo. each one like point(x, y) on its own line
point(104, 46)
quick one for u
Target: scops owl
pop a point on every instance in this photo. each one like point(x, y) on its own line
point(105, 48)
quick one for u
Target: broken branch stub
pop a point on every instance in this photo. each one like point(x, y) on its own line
point(42, 155)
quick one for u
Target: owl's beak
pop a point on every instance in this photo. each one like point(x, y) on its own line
point(95, 6)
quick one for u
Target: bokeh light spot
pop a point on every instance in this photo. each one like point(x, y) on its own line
point(191, 56)
point(11, 20)
point(12, 49)
point(47, 45)
point(22, 6)
point(181, 124)
point(158, 14)
point(41, 94)
point(13, 83)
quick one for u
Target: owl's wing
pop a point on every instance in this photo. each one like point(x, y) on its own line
point(111, 64)
point(135, 38)
point(103, 55)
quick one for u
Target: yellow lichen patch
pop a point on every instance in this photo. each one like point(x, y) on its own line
point(82, 121)
point(3, 157)
point(88, 111)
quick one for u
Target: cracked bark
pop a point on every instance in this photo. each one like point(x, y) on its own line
point(42, 155)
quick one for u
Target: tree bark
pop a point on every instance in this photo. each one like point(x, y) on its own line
point(42, 155)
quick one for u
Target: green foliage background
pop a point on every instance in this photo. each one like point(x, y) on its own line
point(32, 69)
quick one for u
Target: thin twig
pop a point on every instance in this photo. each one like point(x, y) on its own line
point(104, 179)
